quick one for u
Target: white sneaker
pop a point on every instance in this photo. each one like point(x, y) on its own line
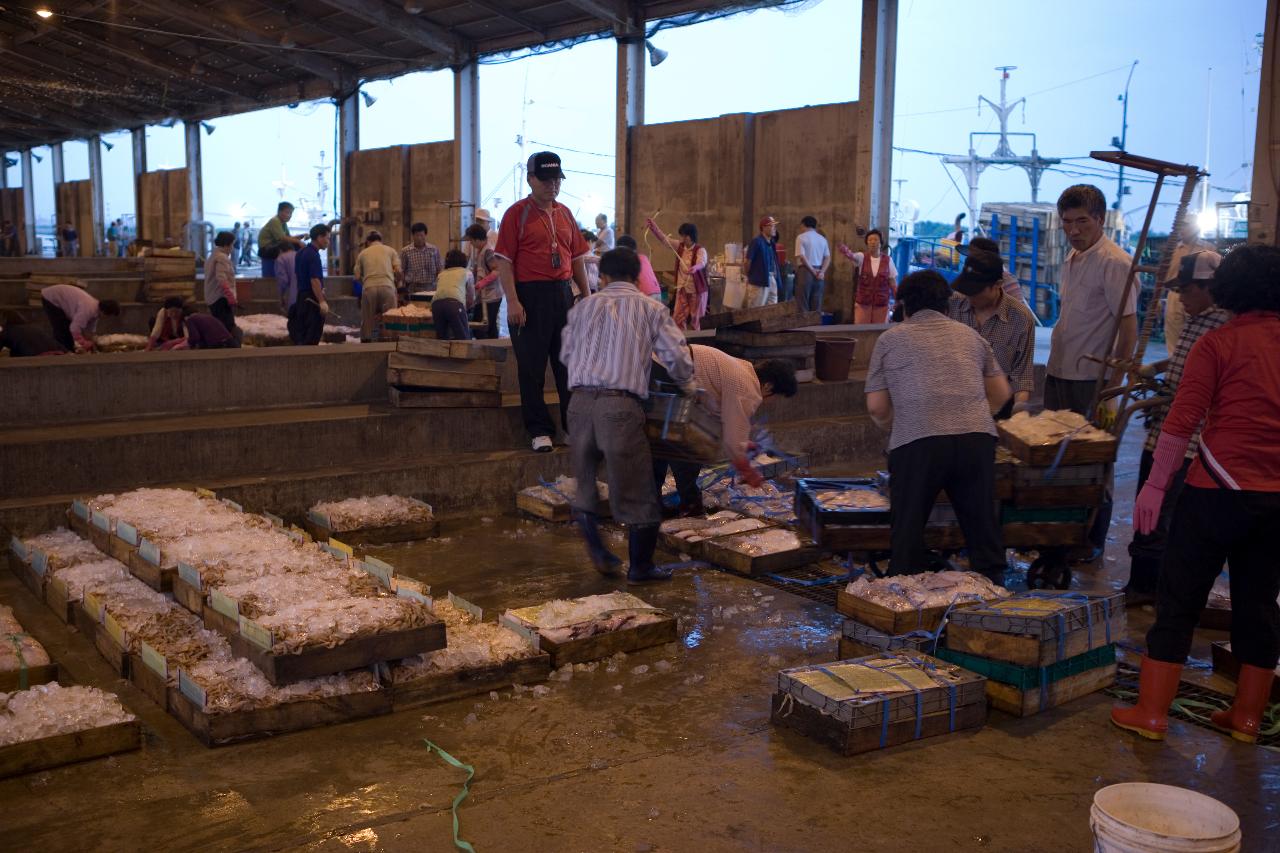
point(542, 444)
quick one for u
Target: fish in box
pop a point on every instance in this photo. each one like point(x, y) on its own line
point(553, 501)
point(1056, 438)
point(594, 627)
point(879, 701)
point(904, 603)
point(50, 725)
point(759, 552)
point(372, 520)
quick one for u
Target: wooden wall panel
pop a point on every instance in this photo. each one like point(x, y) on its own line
point(13, 210)
point(163, 205)
point(406, 183)
point(74, 204)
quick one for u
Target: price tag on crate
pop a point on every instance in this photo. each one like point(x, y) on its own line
point(93, 606)
point(529, 633)
point(39, 561)
point(19, 548)
point(100, 520)
point(205, 493)
point(381, 572)
point(224, 604)
point(149, 551)
point(342, 546)
point(334, 552)
point(114, 631)
point(275, 520)
point(256, 634)
point(410, 588)
point(80, 509)
point(154, 661)
point(233, 504)
point(318, 518)
point(466, 606)
point(127, 532)
point(297, 534)
point(191, 690)
point(190, 575)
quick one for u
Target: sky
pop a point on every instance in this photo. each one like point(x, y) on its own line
point(1071, 68)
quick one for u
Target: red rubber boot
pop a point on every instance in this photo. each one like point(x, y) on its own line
point(1157, 685)
point(1253, 691)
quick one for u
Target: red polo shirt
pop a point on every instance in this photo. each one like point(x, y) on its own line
point(528, 240)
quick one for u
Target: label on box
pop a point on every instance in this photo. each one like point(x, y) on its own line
point(333, 552)
point(276, 520)
point(149, 551)
point(297, 534)
point(18, 547)
point(80, 508)
point(93, 606)
point(100, 520)
point(39, 561)
point(154, 661)
point(233, 504)
point(127, 532)
point(224, 604)
point(191, 690)
point(513, 624)
point(467, 606)
point(342, 546)
point(114, 631)
point(379, 572)
point(256, 634)
point(205, 493)
point(409, 588)
point(190, 575)
point(318, 518)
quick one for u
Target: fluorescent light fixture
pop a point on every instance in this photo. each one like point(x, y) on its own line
point(44, 13)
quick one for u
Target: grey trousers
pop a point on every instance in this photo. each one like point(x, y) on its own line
point(611, 427)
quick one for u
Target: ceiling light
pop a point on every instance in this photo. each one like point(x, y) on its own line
point(369, 100)
point(413, 7)
point(656, 54)
point(36, 157)
point(107, 145)
point(44, 13)
point(208, 128)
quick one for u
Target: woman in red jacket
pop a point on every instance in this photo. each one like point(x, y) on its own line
point(1230, 508)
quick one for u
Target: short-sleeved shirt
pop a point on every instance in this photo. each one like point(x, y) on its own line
point(272, 233)
point(606, 238)
point(219, 278)
point(1090, 293)
point(934, 370)
point(377, 265)
point(420, 266)
point(307, 266)
point(529, 236)
point(647, 283)
point(1011, 331)
point(455, 283)
point(813, 247)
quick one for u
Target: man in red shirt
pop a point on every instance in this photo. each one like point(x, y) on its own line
point(540, 255)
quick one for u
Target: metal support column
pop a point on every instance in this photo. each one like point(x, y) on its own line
point(195, 185)
point(96, 203)
point(138, 140)
point(466, 142)
point(60, 216)
point(4, 170)
point(29, 205)
point(1264, 204)
point(348, 144)
point(630, 114)
point(874, 161)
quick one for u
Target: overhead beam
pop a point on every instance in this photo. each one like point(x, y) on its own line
point(615, 14)
point(415, 28)
point(515, 18)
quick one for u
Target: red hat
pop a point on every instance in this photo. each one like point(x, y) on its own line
point(768, 220)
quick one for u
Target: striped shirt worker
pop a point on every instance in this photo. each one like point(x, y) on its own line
point(1011, 331)
point(1195, 327)
point(611, 335)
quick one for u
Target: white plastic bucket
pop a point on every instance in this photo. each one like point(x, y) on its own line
point(1142, 817)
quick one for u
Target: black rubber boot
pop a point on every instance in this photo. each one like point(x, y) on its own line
point(604, 560)
point(642, 541)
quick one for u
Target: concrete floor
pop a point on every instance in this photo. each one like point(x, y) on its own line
point(684, 760)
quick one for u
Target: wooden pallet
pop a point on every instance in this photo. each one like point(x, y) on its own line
point(766, 340)
point(452, 349)
point(720, 551)
point(601, 646)
point(779, 317)
point(58, 750)
point(443, 686)
point(442, 379)
point(237, 726)
point(999, 630)
point(412, 398)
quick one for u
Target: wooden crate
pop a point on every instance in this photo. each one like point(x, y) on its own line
point(1066, 486)
point(110, 643)
point(1037, 628)
point(313, 662)
point(59, 750)
point(37, 283)
point(410, 398)
point(442, 380)
point(13, 679)
point(695, 549)
point(765, 318)
point(1078, 452)
point(766, 340)
point(236, 726)
point(452, 349)
point(189, 596)
point(1024, 691)
point(157, 577)
point(318, 526)
point(443, 686)
point(56, 598)
point(1226, 665)
point(26, 573)
point(859, 640)
point(947, 699)
point(720, 551)
point(557, 512)
point(604, 645)
point(890, 622)
point(153, 684)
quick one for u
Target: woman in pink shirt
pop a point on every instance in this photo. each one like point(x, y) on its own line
point(647, 283)
point(692, 290)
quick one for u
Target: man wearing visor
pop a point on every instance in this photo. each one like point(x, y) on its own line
point(541, 255)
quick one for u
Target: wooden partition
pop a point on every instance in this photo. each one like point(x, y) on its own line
point(391, 188)
point(12, 209)
point(163, 205)
point(74, 200)
point(723, 174)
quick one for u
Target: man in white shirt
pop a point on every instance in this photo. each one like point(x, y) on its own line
point(604, 235)
point(813, 258)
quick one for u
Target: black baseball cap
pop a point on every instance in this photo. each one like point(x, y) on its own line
point(981, 270)
point(545, 165)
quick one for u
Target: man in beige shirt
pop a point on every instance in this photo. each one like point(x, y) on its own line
point(378, 271)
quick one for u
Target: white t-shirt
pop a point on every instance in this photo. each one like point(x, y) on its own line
point(813, 247)
point(606, 238)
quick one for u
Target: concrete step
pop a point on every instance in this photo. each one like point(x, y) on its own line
point(119, 288)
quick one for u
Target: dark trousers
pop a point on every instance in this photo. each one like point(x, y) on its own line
point(546, 307)
point(610, 426)
point(1147, 549)
point(306, 323)
point(808, 291)
point(450, 317)
point(1210, 527)
point(1076, 395)
point(221, 309)
point(964, 467)
point(492, 309)
point(60, 323)
point(686, 477)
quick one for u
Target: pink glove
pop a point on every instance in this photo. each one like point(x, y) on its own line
point(1169, 453)
point(747, 474)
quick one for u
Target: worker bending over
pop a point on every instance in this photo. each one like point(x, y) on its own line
point(733, 389)
point(606, 347)
point(73, 315)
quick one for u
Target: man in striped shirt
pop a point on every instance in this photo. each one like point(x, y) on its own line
point(606, 347)
point(1191, 284)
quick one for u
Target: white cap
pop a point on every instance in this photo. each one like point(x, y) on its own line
point(483, 214)
point(1199, 267)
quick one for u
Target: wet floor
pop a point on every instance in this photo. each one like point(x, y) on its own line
point(668, 750)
